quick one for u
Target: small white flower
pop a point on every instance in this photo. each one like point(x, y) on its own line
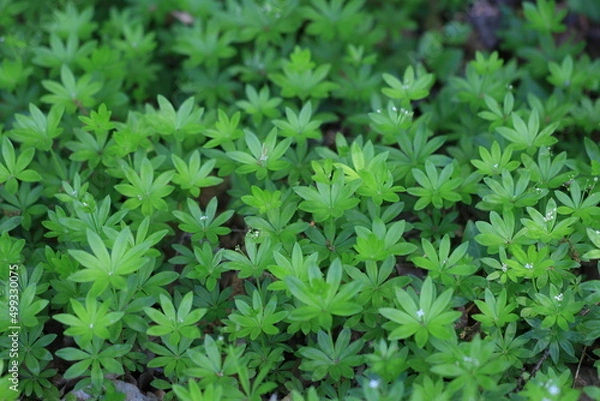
point(420, 313)
point(204, 217)
point(471, 361)
point(373, 383)
point(504, 267)
point(495, 165)
point(554, 389)
point(550, 215)
point(559, 297)
point(529, 265)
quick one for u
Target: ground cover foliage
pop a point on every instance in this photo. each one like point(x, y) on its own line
point(299, 200)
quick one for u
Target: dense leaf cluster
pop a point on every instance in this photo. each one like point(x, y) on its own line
point(310, 199)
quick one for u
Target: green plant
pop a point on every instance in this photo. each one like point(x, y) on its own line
point(177, 324)
point(93, 360)
point(335, 360)
point(423, 315)
point(436, 188)
point(299, 199)
point(321, 299)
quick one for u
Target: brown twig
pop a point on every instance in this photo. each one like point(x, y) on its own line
point(579, 364)
point(534, 370)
